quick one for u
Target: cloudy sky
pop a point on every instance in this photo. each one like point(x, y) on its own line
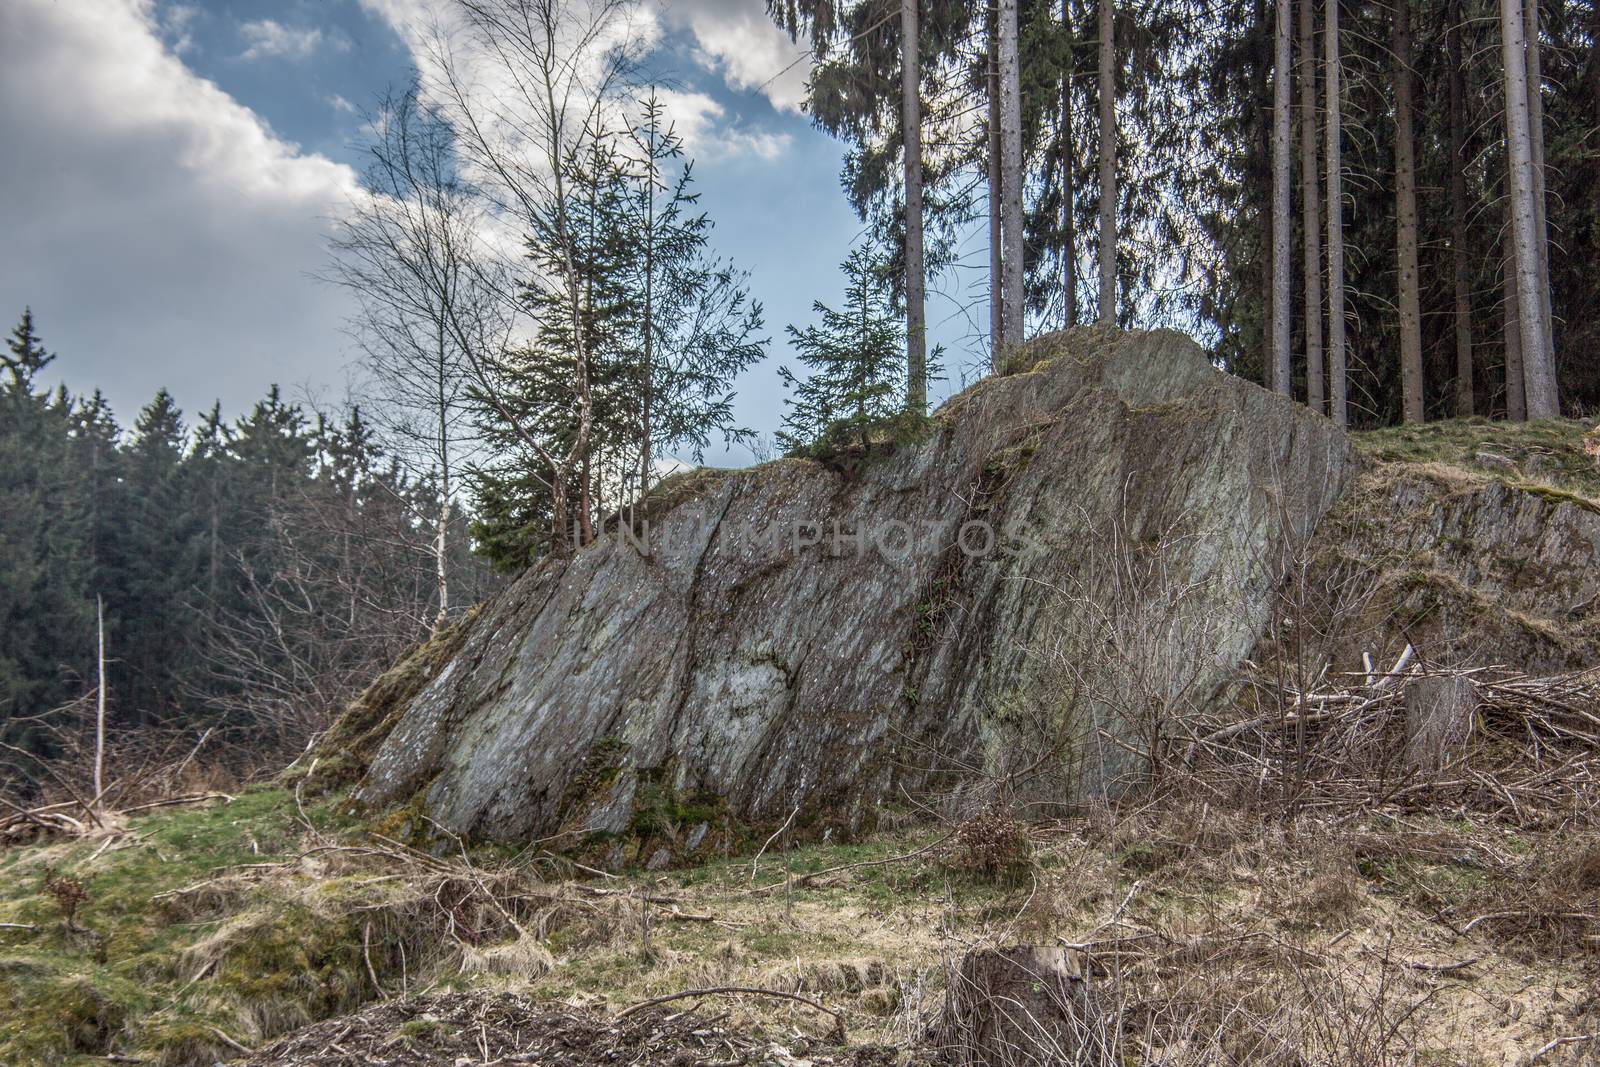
point(168, 170)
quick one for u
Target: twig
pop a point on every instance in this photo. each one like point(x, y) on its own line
point(1551, 1046)
point(727, 990)
point(757, 861)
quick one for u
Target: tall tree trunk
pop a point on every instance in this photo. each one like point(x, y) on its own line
point(997, 323)
point(1338, 406)
point(1537, 368)
point(1458, 214)
point(1405, 184)
point(1311, 217)
point(1069, 155)
point(1108, 162)
point(1262, 71)
point(648, 336)
point(1011, 172)
point(911, 119)
point(1282, 370)
point(1541, 228)
point(1516, 397)
point(441, 399)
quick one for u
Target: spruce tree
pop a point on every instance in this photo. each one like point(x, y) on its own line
point(157, 563)
point(855, 370)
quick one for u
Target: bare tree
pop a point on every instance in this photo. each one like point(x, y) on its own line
point(916, 282)
point(1311, 217)
point(1108, 162)
point(1281, 378)
point(547, 75)
point(1012, 265)
point(408, 250)
point(1338, 406)
point(1538, 367)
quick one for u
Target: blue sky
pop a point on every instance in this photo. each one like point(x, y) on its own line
point(170, 169)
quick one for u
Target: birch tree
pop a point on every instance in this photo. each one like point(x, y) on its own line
point(406, 251)
point(547, 73)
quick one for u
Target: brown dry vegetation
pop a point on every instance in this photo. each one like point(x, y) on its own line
point(1212, 932)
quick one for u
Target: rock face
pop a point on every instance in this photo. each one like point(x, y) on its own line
point(1469, 568)
point(797, 636)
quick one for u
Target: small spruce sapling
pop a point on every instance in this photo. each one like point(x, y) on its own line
point(857, 373)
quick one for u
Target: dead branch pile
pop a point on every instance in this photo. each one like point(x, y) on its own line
point(1524, 748)
point(502, 1028)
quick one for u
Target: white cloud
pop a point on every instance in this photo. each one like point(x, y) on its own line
point(160, 230)
point(734, 39)
point(707, 134)
point(175, 23)
point(271, 39)
point(738, 40)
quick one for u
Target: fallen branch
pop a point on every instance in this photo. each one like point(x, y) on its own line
point(734, 990)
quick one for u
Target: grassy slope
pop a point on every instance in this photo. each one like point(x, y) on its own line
point(1220, 905)
point(111, 981)
point(1547, 454)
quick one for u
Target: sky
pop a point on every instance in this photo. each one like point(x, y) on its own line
point(170, 170)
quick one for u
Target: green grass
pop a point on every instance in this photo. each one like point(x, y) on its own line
point(117, 978)
point(1543, 455)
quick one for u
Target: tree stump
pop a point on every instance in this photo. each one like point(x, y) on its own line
point(1026, 1006)
point(1440, 711)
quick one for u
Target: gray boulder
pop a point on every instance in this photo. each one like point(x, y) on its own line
point(1067, 560)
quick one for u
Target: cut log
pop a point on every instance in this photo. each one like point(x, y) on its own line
point(1025, 1006)
point(1440, 710)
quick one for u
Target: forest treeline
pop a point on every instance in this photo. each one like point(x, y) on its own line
point(1457, 142)
point(251, 575)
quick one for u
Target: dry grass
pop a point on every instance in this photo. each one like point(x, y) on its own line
point(1211, 932)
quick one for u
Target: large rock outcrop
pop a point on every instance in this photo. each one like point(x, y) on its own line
point(799, 635)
